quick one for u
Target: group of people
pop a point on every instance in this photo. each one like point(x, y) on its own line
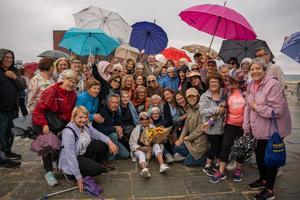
point(106, 107)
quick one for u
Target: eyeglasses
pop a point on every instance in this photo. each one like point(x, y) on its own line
point(77, 62)
point(195, 69)
point(117, 70)
point(151, 81)
point(260, 55)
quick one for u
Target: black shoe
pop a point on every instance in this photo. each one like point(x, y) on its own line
point(256, 185)
point(10, 164)
point(264, 195)
point(209, 171)
point(13, 156)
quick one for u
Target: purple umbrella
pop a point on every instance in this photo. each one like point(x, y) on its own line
point(149, 37)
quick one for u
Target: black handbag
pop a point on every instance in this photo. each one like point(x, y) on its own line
point(54, 122)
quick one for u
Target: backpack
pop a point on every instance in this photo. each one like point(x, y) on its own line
point(275, 154)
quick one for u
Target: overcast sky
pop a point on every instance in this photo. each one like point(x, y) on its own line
point(26, 25)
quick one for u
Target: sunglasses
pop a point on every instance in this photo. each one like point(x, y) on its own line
point(195, 69)
point(117, 70)
point(151, 81)
point(116, 81)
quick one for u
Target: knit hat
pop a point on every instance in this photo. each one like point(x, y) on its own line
point(249, 60)
point(191, 92)
point(237, 75)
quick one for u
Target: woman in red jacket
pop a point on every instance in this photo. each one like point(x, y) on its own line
point(59, 98)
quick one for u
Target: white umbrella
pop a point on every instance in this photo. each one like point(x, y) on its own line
point(125, 51)
point(110, 22)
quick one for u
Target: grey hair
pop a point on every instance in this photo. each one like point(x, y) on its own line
point(170, 69)
point(223, 66)
point(139, 65)
point(260, 62)
point(265, 49)
point(155, 96)
point(71, 74)
point(113, 95)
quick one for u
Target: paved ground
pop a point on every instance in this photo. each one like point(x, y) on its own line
point(125, 182)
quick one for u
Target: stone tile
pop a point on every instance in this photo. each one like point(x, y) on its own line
point(222, 196)
point(124, 165)
point(27, 172)
point(6, 190)
point(115, 188)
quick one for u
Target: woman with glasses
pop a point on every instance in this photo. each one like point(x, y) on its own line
point(115, 85)
point(128, 85)
point(117, 69)
point(153, 87)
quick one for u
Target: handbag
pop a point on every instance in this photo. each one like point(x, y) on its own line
point(243, 146)
point(275, 153)
point(55, 123)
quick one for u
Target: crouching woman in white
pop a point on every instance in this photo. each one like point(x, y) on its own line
point(140, 151)
point(83, 148)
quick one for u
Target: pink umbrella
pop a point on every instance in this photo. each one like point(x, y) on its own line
point(218, 20)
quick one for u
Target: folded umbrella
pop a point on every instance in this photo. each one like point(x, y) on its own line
point(291, 46)
point(174, 54)
point(46, 143)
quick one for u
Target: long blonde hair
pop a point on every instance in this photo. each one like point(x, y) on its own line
point(77, 110)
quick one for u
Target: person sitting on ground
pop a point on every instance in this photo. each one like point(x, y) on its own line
point(140, 151)
point(156, 117)
point(84, 148)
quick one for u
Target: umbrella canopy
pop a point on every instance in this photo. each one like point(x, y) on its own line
point(45, 143)
point(54, 54)
point(218, 20)
point(149, 37)
point(174, 54)
point(241, 49)
point(88, 42)
point(291, 46)
point(108, 21)
point(125, 51)
point(205, 51)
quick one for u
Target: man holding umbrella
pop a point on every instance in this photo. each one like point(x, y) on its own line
point(150, 67)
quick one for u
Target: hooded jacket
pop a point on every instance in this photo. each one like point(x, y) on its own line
point(172, 83)
point(268, 97)
point(89, 102)
point(9, 88)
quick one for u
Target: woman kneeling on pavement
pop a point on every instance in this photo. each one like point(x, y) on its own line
point(83, 148)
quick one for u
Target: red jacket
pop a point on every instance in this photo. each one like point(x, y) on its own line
point(56, 100)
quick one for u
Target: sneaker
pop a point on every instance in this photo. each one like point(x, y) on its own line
point(264, 195)
point(256, 185)
point(10, 164)
point(13, 156)
point(209, 171)
point(238, 175)
point(163, 168)
point(145, 173)
point(218, 176)
point(169, 158)
point(178, 157)
point(231, 165)
point(50, 178)
point(216, 167)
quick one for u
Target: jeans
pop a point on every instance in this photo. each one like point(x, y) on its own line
point(122, 153)
point(6, 136)
point(189, 159)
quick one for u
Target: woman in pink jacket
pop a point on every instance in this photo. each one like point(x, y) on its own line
point(264, 95)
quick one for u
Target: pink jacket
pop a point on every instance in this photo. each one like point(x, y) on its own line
point(269, 96)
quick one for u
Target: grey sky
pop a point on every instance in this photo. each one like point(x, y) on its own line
point(26, 26)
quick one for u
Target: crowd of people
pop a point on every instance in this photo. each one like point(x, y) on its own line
point(105, 106)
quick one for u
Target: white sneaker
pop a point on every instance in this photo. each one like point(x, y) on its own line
point(163, 168)
point(178, 157)
point(231, 165)
point(169, 158)
point(145, 173)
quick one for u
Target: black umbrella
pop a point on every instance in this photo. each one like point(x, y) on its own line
point(54, 54)
point(241, 49)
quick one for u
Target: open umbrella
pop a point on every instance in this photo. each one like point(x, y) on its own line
point(88, 42)
point(108, 21)
point(149, 37)
point(54, 54)
point(218, 20)
point(205, 51)
point(125, 51)
point(241, 49)
point(174, 54)
point(291, 46)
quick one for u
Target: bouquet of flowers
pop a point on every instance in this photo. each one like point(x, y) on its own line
point(154, 135)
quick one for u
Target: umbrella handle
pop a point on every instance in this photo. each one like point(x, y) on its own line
point(59, 192)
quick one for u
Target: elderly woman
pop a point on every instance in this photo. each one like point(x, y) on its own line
point(138, 69)
point(40, 82)
point(128, 85)
point(223, 70)
point(60, 65)
point(153, 86)
point(140, 150)
point(192, 143)
point(156, 101)
point(85, 148)
point(264, 96)
point(162, 75)
point(117, 69)
point(156, 117)
point(245, 66)
point(212, 108)
point(59, 98)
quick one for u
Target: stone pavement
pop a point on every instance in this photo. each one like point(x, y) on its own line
point(125, 182)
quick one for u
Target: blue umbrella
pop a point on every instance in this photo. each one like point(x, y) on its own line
point(149, 37)
point(88, 42)
point(291, 46)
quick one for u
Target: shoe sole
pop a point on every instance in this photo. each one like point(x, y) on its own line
point(210, 175)
point(221, 179)
point(165, 170)
point(237, 180)
point(258, 188)
point(145, 174)
point(14, 158)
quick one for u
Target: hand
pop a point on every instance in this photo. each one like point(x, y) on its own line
point(252, 106)
point(11, 74)
point(119, 131)
point(221, 110)
point(98, 118)
point(183, 117)
point(80, 185)
point(178, 142)
point(46, 129)
point(112, 147)
point(205, 126)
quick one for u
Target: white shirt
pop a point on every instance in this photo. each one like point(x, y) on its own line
point(83, 141)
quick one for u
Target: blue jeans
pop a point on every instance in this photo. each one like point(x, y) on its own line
point(122, 153)
point(189, 160)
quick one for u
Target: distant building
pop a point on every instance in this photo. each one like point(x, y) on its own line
point(57, 37)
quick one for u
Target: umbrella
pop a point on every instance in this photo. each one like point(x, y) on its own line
point(175, 54)
point(54, 54)
point(218, 20)
point(197, 48)
point(241, 49)
point(110, 22)
point(149, 37)
point(291, 46)
point(45, 143)
point(125, 51)
point(88, 42)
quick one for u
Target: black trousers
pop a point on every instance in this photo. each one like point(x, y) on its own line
point(214, 146)
point(265, 173)
point(231, 132)
point(23, 106)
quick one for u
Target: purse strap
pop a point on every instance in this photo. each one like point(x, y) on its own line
point(274, 122)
